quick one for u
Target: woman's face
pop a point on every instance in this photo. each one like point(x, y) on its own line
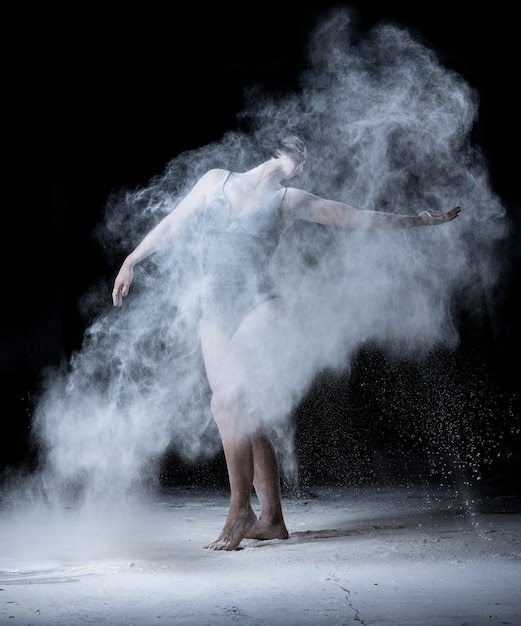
point(290, 166)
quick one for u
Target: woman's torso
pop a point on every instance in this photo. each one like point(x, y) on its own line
point(237, 249)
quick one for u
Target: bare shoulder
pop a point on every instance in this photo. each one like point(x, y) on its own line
point(201, 192)
point(212, 177)
point(298, 203)
point(207, 183)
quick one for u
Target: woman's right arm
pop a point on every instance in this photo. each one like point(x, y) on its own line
point(164, 231)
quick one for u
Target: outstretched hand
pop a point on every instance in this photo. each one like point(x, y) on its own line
point(429, 219)
point(122, 285)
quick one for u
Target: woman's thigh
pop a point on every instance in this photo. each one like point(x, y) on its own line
point(259, 325)
point(215, 346)
point(253, 345)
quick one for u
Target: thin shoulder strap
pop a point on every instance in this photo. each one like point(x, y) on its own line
point(282, 195)
point(224, 177)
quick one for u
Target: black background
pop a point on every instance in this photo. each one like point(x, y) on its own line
point(96, 99)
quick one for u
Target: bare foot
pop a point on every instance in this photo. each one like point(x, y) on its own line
point(234, 531)
point(265, 530)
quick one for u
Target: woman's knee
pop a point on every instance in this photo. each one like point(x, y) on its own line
point(224, 405)
point(230, 412)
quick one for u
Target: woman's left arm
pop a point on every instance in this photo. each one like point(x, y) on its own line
point(307, 206)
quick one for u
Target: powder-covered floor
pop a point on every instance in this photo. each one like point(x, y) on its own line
point(373, 556)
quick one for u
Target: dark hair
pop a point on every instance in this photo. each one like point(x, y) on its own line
point(294, 146)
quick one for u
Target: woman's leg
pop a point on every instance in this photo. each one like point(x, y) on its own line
point(260, 334)
point(266, 481)
point(250, 456)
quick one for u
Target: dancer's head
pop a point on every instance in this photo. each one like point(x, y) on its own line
point(292, 146)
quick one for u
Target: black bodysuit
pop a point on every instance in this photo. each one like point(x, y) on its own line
point(237, 250)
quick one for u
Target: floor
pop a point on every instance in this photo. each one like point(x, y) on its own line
point(361, 556)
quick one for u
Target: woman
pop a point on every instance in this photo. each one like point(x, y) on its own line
point(244, 216)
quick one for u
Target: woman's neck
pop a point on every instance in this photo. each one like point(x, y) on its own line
point(267, 174)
